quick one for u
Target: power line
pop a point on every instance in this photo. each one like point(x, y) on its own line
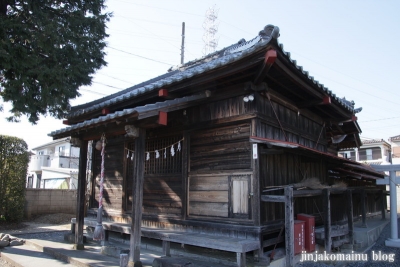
point(381, 119)
point(93, 92)
point(139, 56)
point(109, 85)
point(115, 78)
point(157, 36)
point(344, 74)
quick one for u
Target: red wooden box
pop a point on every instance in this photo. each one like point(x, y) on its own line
point(309, 238)
point(298, 236)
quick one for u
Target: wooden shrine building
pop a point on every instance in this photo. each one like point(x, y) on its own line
point(203, 150)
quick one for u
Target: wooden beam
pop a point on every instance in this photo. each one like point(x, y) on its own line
point(273, 198)
point(166, 94)
point(326, 100)
point(349, 210)
point(327, 219)
point(80, 202)
point(289, 226)
point(363, 197)
point(163, 93)
point(162, 118)
point(66, 122)
point(185, 173)
point(269, 60)
point(137, 193)
point(105, 111)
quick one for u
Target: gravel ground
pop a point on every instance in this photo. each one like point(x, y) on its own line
point(378, 248)
point(51, 219)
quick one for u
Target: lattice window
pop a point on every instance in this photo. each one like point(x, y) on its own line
point(166, 163)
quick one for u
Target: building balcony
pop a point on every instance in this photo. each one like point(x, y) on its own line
point(39, 161)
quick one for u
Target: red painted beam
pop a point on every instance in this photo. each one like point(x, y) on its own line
point(163, 93)
point(270, 57)
point(105, 111)
point(162, 118)
point(66, 122)
point(326, 100)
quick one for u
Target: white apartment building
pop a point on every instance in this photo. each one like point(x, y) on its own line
point(377, 151)
point(372, 151)
point(54, 166)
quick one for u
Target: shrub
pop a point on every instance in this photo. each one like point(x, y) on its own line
point(14, 159)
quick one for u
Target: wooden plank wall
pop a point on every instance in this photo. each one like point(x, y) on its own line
point(285, 169)
point(162, 194)
point(220, 148)
point(288, 168)
point(297, 127)
point(208, 195)
point(221, 109)
point(214, 152)
point(113, 175)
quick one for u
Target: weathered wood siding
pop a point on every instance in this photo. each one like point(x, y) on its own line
point(296, 127)
point(208, 195)
point(162, 194)
point(220, 148)
point(221, 109)
point(113, 175)
point(162, 188)
point(285, 169)
point(213, 153)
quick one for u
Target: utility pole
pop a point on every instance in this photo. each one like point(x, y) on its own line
point(183, 43)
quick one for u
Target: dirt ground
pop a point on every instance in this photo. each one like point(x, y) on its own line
point(56, 218)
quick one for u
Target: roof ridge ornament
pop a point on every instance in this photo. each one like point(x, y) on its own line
point(268, 33)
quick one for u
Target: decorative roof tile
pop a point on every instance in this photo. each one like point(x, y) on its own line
point(212, 61)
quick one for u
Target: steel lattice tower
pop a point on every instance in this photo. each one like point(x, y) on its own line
point(210, 27)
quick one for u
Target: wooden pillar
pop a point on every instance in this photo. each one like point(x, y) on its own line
point(289, 226)
point(185, 172)
point(327, 218)
point(80, 205)
point(137, 192)
point(363, 208)
point(255, 196)
point(349, 210)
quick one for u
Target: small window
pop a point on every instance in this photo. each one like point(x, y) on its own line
point(369, 154)
point(41, 153)
point(239, 196)
point(61, 151)
point(38, 180)
point(30, 181)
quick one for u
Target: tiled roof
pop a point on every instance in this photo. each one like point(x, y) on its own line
point(210, 62)
point(129, 112)
point(394, 138)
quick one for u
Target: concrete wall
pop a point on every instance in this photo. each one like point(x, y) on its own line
point(48, 201)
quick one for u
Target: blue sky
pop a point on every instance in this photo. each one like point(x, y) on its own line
point(349, 46)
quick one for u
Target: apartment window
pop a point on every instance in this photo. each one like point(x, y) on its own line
point(348, 155)
point(41, 153)
point(369, 154)
point(30, 181)
point(38, 180)
point(61, 150)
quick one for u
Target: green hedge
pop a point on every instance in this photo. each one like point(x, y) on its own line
point(14, 160)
